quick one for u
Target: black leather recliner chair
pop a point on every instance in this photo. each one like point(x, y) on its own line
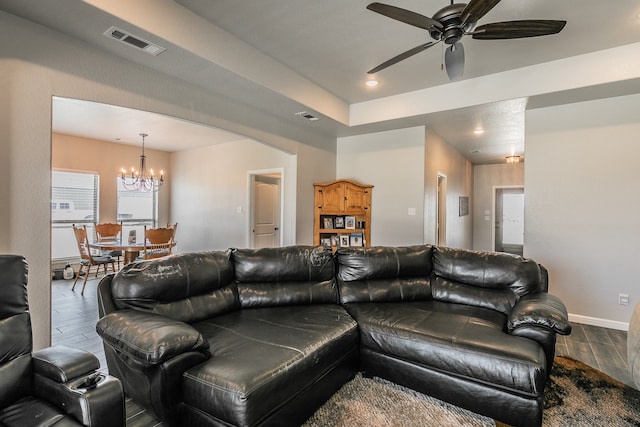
point(56, 386)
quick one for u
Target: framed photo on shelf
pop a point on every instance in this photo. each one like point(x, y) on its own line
point(350, 222)
point(339, 222)
point(344, 240)
point(335, 242)
point(326, 241)
point(355, 239)
point(327, 222)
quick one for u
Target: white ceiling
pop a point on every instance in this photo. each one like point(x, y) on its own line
point(124, 126)
point(284, 56)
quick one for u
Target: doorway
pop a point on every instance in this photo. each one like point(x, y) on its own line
point(441, 210)
point(509, 220)
point(265, 218)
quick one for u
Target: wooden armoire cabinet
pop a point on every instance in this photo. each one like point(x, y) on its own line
point(342, 214)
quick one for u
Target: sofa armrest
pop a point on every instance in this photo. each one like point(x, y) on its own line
point(69, 379)
point(62, 364)
point(540, 311)
point(149, 338)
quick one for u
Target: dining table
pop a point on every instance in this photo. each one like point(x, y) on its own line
point(130, 251)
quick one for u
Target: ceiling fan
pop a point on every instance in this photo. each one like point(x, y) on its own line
point(452, 22)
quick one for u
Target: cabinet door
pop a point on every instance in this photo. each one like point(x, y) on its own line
point(356, 199)
point(331, 197)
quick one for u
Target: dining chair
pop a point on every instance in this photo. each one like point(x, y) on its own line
point(108, 231)
point(158, 242)
point(87, 260)
point(174, 227)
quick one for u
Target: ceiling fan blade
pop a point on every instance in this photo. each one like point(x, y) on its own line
point(405, 16)
point(518, 29)
point(454, 61)
point(476, 9)
point(402, 56)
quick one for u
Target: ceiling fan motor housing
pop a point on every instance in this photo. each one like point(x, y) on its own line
point(453, 30)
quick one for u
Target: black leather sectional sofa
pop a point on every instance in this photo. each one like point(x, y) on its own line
point(263, 337)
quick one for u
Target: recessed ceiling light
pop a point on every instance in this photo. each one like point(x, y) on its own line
point(478, 131)
point(372, 83)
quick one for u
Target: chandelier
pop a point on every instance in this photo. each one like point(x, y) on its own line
point(513, 159)
point(141, 180)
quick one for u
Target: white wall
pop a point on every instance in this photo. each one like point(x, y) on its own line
point(211, 193)
point(440, 157)
point(485, 179)
point(393, 163)
point(582, 204)
point(36, 64)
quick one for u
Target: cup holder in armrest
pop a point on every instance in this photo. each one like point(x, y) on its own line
point(89, 382)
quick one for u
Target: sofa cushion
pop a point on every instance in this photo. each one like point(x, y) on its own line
point(186, 287)
point(384, 273)
point(285, 276)
point(485, 279)
point(467, 342)
point(262, 358)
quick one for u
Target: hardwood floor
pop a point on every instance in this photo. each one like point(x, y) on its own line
point(74, 317)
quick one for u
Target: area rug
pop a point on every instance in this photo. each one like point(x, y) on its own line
point(576, 395)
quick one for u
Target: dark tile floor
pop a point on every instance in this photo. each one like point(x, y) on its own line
point(74, 317)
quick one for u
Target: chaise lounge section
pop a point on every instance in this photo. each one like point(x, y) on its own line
point(244, 337)
point(252, 337)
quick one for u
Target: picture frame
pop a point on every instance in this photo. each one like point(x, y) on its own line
point(326, 241)
point(327, 222)
point(350, 222)
point(463, 208)
point(335, 242)
point(338, 222)
point(344, 240)
point(355, 240)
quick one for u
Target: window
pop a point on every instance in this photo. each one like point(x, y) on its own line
point(136, 209)
point(74, 200)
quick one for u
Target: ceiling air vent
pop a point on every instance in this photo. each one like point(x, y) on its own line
point(135, 41)
point(306, 115)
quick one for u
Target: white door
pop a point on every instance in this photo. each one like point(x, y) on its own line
point(509, 225)
point(266, 211)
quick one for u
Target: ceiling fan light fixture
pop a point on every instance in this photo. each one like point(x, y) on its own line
point(454, 61)
point(372, 83)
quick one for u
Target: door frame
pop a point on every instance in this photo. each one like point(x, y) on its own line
point(493, 210)
point(441, 228)
point(251, 206)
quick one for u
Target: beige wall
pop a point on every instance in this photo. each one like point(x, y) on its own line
point(211, 193)
point(485, 179)
point(440, 157)
point(73, 153)
point(582, 204)
point(393, 163)
point(403, 166)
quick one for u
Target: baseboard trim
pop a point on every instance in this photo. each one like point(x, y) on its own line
point(595, 321)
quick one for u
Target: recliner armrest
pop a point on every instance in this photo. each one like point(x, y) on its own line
point(69, 379)
point(61, 363)
point(149, 338)
point(539, 311)
point(94, 400)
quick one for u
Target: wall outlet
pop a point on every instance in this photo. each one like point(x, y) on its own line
point(623, 299)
